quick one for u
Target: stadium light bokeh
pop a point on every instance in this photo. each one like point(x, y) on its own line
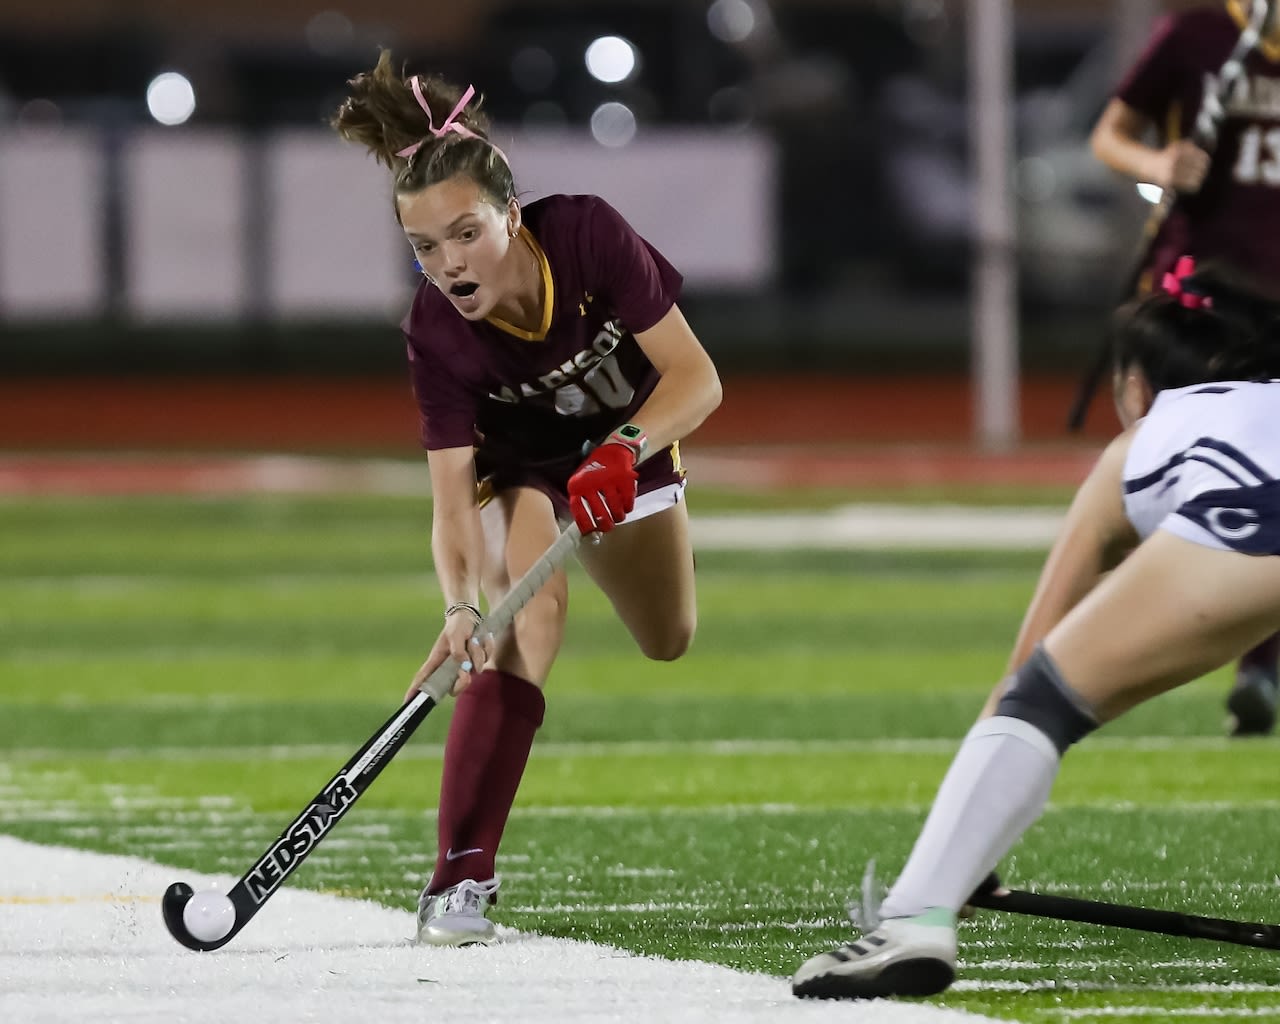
point(170, 98)
point(612, 59)
point(613, 124)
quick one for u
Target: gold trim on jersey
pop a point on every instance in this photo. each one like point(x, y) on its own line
point(1173, 122)
point(1269, 45)
point(548, 295)
point(675, 460)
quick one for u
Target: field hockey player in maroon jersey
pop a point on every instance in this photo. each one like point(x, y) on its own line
point(548, 358)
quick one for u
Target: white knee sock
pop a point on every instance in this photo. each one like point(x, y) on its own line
point(996, 787)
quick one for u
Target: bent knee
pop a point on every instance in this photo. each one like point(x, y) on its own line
point(1040, 696)
point(669, 644)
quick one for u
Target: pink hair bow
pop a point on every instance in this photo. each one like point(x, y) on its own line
point(450, 123)
point(1172, 285)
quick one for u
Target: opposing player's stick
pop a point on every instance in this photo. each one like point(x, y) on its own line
point(339, 794)
point(991, 896)
point(1213, 108)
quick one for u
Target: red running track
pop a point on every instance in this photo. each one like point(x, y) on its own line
point(837, 431)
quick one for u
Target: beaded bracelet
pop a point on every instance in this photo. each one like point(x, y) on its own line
point(464, 606)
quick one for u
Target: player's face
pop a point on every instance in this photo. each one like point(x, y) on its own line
point(462, 242)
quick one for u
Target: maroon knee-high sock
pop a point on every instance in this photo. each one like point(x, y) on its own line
point(494, 721)
point(1264, 656)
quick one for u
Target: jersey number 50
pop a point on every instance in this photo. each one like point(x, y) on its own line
point(602, 387)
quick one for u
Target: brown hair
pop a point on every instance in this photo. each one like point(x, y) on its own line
point(383, 115)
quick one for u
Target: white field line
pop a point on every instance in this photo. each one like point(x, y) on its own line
point(82, 939)
point(1193, 1012)
point(913, 527)
point(17, 807)
point(219, 476)
point(879, 527)
point(1055, 985)
point(622, 748)
point(1098, 964)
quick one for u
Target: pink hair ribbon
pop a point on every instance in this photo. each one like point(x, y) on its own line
point(1171, 283)
point(450, 123)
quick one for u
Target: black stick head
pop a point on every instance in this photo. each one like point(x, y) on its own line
point(173, 905)
point(175, 901)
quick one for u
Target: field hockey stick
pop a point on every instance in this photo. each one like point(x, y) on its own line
point(990, 896)
point(1205, 135)
point(222, 917)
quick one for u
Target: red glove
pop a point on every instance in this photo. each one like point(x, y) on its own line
point(603, 489)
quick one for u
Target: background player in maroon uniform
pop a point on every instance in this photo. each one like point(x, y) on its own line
point(540, 333)
point(1228, 206)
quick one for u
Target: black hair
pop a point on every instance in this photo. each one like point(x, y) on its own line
point(1234, 334)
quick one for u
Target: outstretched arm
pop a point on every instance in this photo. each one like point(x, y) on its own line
point(1095, 537)
point(457, 547)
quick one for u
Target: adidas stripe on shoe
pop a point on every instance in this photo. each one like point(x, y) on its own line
point(905, 956)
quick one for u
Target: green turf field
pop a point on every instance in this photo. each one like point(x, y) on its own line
point(178, 678)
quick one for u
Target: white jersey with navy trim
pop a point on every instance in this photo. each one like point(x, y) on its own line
point(1204, 464)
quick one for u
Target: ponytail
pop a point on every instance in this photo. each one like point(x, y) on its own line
point(391, 116)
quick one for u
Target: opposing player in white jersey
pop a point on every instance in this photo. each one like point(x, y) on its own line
point(1165, 569)
point(1228, 207)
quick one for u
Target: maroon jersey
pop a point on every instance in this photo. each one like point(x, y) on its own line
point(1236, 213)
point(537, 397)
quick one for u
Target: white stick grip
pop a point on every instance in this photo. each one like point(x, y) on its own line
point(440, 682)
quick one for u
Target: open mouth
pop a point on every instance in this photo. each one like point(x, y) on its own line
point(464, 289)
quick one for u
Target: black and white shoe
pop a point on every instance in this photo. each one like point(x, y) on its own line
point(903, 956)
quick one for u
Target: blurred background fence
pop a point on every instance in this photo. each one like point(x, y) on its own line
point(172, 201)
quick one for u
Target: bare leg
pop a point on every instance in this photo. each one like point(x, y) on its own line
point(520, 525)
point(1173, 611)
point(496, 717)
point(645, 568)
